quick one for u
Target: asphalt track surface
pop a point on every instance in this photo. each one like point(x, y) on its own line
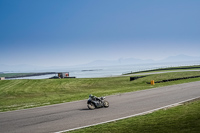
point(61, 117)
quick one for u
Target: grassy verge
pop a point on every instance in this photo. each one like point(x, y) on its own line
point(20, 94)
point(180, 119)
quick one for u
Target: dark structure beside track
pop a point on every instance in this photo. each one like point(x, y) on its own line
point(136, 77)
point(167, 80)
point(62, 75)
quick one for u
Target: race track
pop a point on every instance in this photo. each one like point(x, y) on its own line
point(62, 117)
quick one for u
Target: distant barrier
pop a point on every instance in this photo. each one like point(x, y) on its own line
point(183, 67)
point(30, 74)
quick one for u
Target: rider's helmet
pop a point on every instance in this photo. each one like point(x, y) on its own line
point(91, 96)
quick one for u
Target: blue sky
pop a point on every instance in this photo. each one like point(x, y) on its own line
point(71, 32)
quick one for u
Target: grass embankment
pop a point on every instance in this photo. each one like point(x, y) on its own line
point(181, 68)
point(20, 94)
point(180, 119)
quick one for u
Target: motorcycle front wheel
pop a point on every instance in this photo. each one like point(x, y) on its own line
point(91, 106)
point(106, 104)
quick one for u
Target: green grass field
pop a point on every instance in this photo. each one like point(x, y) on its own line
point(20, 94)
point(180, 119)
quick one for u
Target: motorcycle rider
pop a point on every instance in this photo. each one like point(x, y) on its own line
point(96, 102)
point(94, 97)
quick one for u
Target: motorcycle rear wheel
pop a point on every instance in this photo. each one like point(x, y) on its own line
point(106, 104)
point(91, 106)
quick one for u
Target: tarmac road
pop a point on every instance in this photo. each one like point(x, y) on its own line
point(66, 116)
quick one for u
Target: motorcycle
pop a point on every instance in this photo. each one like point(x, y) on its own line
point(96, 102)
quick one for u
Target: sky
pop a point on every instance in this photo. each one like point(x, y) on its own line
point(72, 32)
